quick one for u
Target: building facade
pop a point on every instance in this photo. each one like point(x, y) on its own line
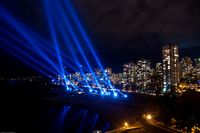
point(186, 67)
point(197, 63)
point(108, 71)
point(129, 73)
point(143, 74)
point(170, 59)
point(159, 74)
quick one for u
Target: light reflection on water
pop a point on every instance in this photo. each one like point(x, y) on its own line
point(70, 119)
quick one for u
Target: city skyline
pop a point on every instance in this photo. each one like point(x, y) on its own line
point(78, 56)
point(112, 44)
point(117, 66)
point(99, 65)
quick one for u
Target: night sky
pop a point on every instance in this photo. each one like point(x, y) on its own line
point(121, 30)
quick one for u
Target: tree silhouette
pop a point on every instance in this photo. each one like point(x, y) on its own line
point(186, 111)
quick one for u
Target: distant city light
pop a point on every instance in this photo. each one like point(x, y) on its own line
point(62, 79)
point(148, 116)
point(126, 124)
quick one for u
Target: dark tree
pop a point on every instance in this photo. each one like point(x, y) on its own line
point(133, 87)
point(161, 113)
point(118, 86)
point(127, 87)
point(187, 111)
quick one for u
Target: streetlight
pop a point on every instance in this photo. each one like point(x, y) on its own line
point(126, 124)
point(148, 116)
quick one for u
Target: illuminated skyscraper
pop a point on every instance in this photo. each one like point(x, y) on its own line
point(116, 79)
point(197, 68)
point(170, 58)
point(98, 72)
point(143, 73)
point(78, 76)
point(129, 73)
point(159, 68)
point(108, 71)
point(197, 63)
point(159, 74)
point(186, 66)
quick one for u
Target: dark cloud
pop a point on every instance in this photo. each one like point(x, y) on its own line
point(123, 30)
point(142, 23)
point(125, 24)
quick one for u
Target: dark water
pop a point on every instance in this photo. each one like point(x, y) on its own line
point(69, 119)
point(23, 111)
point(51, 120)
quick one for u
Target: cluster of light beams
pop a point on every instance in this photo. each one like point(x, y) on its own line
point(53, 34)
point(34, 51)
point(29, 63)
point(41, 47)
point(30, 58)
point(69, 44)
point(31, 40)
point(83, 33)
point(75, 39)
point(30, 46)
point(27, 47)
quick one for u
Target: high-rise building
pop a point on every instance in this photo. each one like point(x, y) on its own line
point(98, 72)
point(159, 74)
point(120, 78)
point(198, 74)
point(181, 71)
point(78, 76)
point(108, 71)
point(197, 68)
point(116, 78)
point(185, 66)
point(170, 58)
point(152, 72)
point(129, 73)
point(197, 63)
point(89, 77)
point(143, 73)
point(159, 68)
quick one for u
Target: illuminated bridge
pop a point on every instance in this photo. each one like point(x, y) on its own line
point(66, 50)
